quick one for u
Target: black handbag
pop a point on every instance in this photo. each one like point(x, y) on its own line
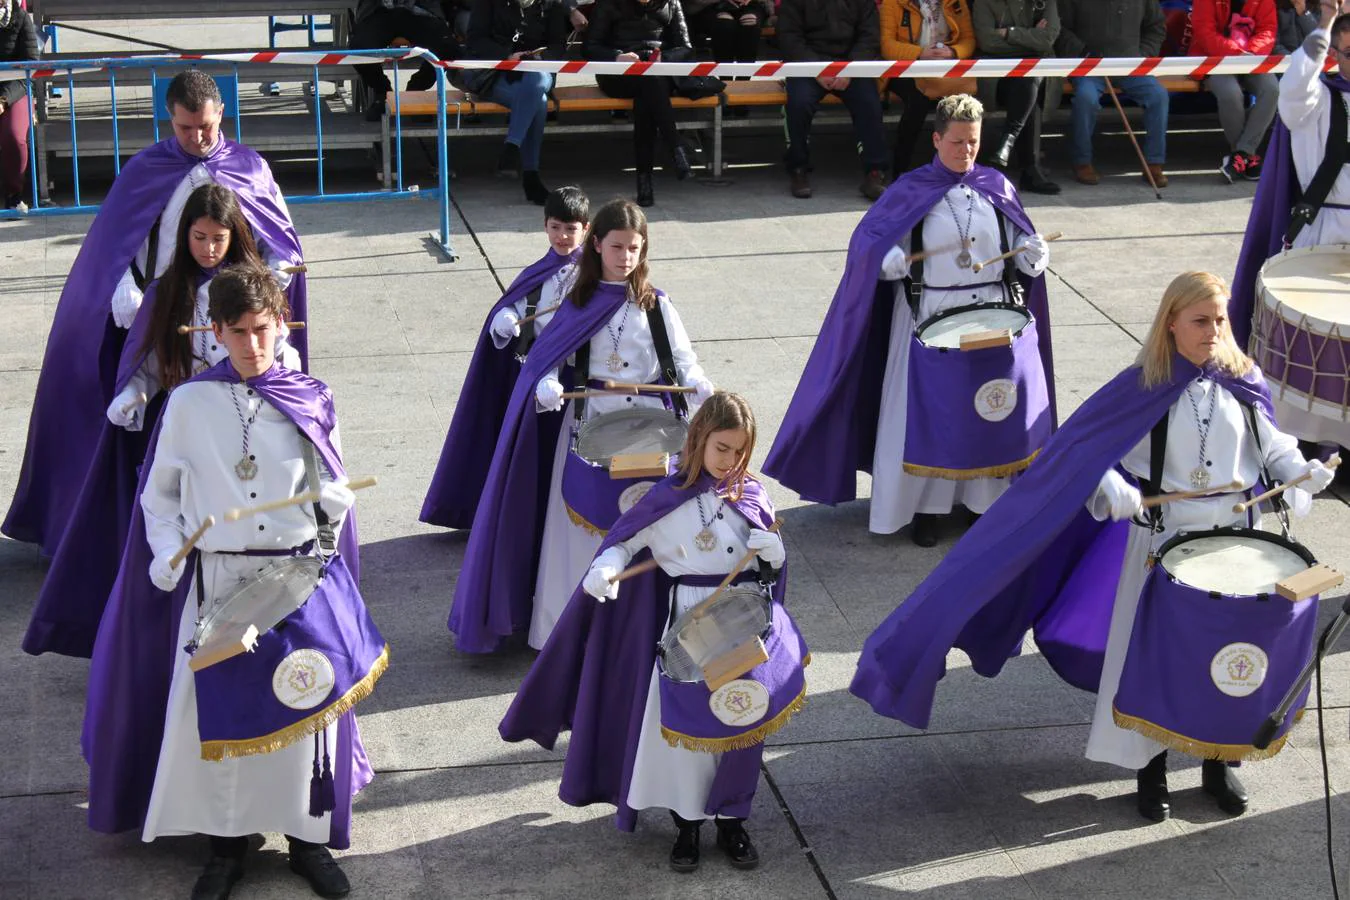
point(696, 87)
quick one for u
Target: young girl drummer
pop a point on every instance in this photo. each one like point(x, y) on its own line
point(599, 673)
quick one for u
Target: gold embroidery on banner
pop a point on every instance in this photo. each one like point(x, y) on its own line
point(1200, 749)
point(740, 741)
point(580, 521)
point(1002, 471)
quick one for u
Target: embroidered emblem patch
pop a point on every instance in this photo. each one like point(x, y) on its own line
point(632, 494)
point(1239, 669)
point(996, 400)
point(303, 680)
point(740, 702)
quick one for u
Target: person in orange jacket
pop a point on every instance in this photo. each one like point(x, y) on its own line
point(921, 29)
point(1235, 28)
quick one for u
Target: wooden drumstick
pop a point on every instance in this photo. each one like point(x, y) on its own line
point(1052, 236)
point(1248, 504)
point(191, 542)
point(650, 388)
point(582, 395)
point(645, 566)
point(295, 270)
point(741, 563)
point(240, 512)
point(939, 251)
point(139, 400)
point(543, 312)
point(1160, 499)
point(197, 329)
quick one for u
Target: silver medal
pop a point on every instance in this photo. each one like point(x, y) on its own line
point(705, 540)
point(964, 259)
point(246, 469)
point(614, 362)
point(1199, 478)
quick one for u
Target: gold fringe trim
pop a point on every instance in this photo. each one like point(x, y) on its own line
point(1002, 471)
point(215, 751)
point(1202, 749)
point(580, 521)
point(740, 741)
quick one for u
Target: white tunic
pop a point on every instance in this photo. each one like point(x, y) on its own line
point(1234, 457)
point(567, 549)
point(897, 496)
point(1305, 109)
point(553, 291)
point(192, 477)
point(664, 776)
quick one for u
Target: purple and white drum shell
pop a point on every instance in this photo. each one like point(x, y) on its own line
point(1301, 328)
point(742, 712)
point(975, 413)
point(1214, 649)
point(593, 499)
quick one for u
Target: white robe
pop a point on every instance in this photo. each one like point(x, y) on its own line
point(897, 496)
point(567, 549)
point(664, 776)
point(1234, 457)
point(553, 291)
point(192, 477)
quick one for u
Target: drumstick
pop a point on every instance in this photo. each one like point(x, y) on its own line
point(191, 542)
point(1052, 236)
point(295, 270)
point(645, 566)
point(938, 251)
point(240, 512)
point(139, 400)
point(1248, 504)
point(197, 329)
point(741, 563)
point(543, 312)
point(1160, 499)
point(652, 388)
point(582, 395)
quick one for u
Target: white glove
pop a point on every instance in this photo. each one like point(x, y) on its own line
point(1126, 502)
point(895, 266)
point(506, 325)
point(335, 498)
point(768, 546)
point(597, 582)
point(164, 576)
point(1319, 476)
point(126, 300)
point(1037, 252)
point(703, 389)
point(283, 278)
point(127, 409)
point(549, 394)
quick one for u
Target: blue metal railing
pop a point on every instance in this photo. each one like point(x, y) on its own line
point(441, 193)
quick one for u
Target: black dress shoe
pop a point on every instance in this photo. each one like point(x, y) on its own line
point(218, 878)
point(684, 855)
point(1220, 781)
point(1034, 180)
point(1003, 151)
point(316, 865)
point(924, 531)
point(535, 190)
point(683, 167)
point(733, 840)
point(645, 195)
point(1155, 804)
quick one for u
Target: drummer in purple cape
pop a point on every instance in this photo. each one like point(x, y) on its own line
point(524, 558)
point(1302, 203)
point(263, 741)
point(512, 325)
point(646, 733)
point(1066, 552)
point(947, 251)
point(131, 243)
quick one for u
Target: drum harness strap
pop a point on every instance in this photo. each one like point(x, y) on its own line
point(327, 538)
point(1012, 285)
point(1277, 504)
point(528, 331)
point(665, 357)
point(151, 258)
point(1335, 156)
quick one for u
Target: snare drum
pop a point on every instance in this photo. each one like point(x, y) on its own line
point(1301, 340)
point(1214, 648)
point(975, 413)
point(614, 460)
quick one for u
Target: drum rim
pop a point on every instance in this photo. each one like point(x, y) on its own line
point(200, 631)
point(764, 633)
point(1280, 540)
point(634, 413)
point(951, 311)
point(1262, 292)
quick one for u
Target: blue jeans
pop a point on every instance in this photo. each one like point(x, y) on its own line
point(527, 98)
point(864, 105)
point(1144, 90)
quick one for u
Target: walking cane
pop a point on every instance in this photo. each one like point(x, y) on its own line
point(1148, 173)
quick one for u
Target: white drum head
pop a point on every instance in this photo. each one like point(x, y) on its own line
point(945, 333)
point(1232, 564)
point(1312, 282)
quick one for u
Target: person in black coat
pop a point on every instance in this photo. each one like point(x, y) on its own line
point(516, 29)
point(18, 40)
point(380, 22)
point(647, 30)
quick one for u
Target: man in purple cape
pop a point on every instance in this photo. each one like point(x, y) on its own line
point(593, 674)
point(80, 365)
point(830, 430)
point(493, 596)
point(1036, 560)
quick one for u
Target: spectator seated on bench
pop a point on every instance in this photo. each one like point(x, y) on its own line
point(18, 41)
point(1234, 28)
point(380, 22)
point(924, 29)
point(1294, 21)
point(733, 26)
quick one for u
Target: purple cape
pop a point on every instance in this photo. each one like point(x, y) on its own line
point(452, 499)
point(137, 640)
point(1276, 193)
point(494, 594)
point(593, 673)
point(830, 430)
point(1037, 559)
point(84, 347)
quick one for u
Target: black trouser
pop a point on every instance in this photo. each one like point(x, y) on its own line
point(910, 129)
point(1020, 98)
point(652, 112)
point(732, 40)
point(237, 847)
point(376, 31)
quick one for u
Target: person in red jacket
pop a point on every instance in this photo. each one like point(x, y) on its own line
point(1233, 28)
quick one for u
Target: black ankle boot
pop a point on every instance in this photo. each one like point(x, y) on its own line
point(1035, 181)
point(733, 840)
point(535, 190)
point(1003, 151)
point(645, 197)
point(684, 855)
point(316, 865)
point(223, 870)
point(683, 167)
point(1155, 804)
point(924, 531)
point(1220, 781)
point(508, 163)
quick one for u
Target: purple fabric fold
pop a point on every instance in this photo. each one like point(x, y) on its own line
point(495, 591)
point(452, 499)
point(137, 640)
point(829, 432)
point(80, 366)
point(593, 674)
point(1036, 560)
